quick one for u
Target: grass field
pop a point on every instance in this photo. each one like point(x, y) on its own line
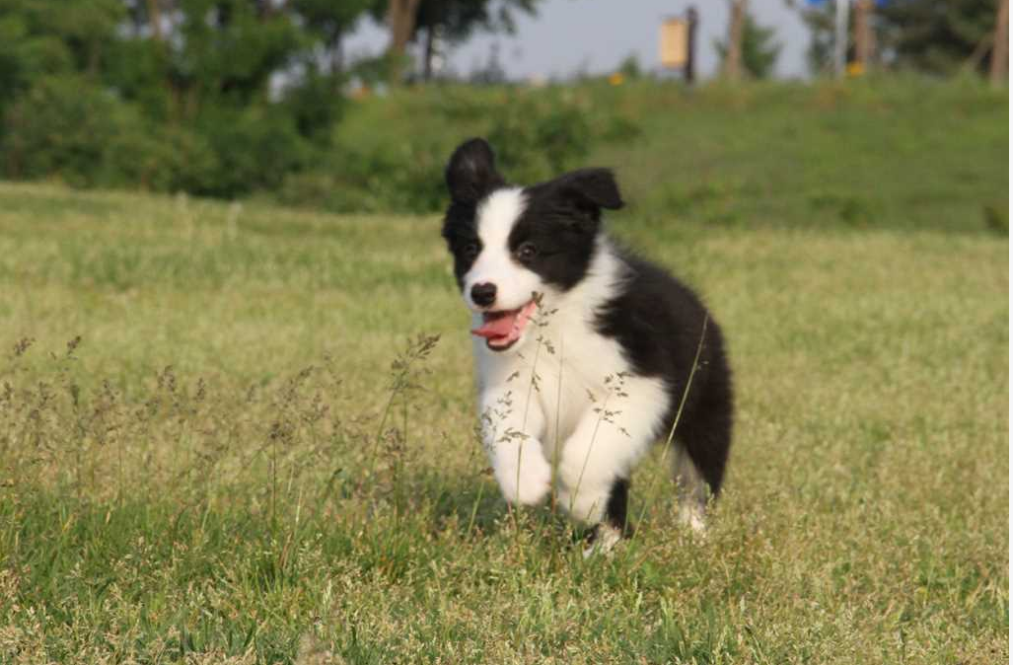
point(892, 153)
point(223, 439)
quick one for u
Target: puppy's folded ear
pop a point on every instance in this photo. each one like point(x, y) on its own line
point(471, 172)
point(595, 188)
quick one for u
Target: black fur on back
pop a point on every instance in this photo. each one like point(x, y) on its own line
point(659, 323)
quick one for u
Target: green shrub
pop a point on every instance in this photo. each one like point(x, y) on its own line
point(537, 139)
point(391, 153)
point(404, 177)
point(72, 129)
point(315, 104)
point(171, 159)
point(67, 128)
point(255, 148)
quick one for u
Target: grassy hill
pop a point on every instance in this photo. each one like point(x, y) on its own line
point(885, 153)
point(222, 438)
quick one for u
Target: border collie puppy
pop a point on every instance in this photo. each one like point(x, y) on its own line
point(585, 353)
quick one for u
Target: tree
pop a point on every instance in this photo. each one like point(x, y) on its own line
point(217, 97)
point(401, 17)
point(451, 21)
point(865, 41)
point(935, 36)
point(455, 20)
point(44, 37)
point(227, 50)
point(731, 54)
point(1000, 46)
point(938, 36)
point(820, 21)
point(759, 52)
point(329, 22)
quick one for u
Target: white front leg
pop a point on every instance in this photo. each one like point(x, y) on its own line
point(611, 437)
point(512, 427)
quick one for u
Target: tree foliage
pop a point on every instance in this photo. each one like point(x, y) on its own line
point(453, 21)
point(219, 97)
point(456, 20)
point(165, 94)
point(938, 36)
point(759, 50)
point(935, 36)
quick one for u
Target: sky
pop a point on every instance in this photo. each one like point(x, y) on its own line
point(567, 36)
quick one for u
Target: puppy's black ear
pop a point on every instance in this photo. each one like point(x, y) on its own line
point(592, 188)
point(471, 172)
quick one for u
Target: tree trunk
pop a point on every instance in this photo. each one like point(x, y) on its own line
point(336, 54)
point(692, 21)
point(865, 44)
point(732, 68)
point(427, 65)
point(155, 19)
point(401, 15)
point(1000, 46)
point(841, 8)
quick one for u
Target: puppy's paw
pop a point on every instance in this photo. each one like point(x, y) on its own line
point(694, 517)
point(603, 540)
point(531, 485)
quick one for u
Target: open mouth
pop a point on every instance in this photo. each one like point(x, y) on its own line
point(501, 330)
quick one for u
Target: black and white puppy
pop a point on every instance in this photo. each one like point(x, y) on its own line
point(583, 351)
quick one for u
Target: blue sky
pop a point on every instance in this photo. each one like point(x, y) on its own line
point(595, 35)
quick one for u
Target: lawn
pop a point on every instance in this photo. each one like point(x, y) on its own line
point(229, 432)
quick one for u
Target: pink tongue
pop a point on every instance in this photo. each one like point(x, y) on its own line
point(506, 329)
point(500, 327)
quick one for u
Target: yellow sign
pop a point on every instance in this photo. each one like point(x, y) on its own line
point(674, 43)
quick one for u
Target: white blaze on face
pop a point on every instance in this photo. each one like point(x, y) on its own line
point(495, 220)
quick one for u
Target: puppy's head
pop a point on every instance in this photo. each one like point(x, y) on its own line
point(513, 244)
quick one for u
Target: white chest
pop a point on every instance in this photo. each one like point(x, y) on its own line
point(565, 368)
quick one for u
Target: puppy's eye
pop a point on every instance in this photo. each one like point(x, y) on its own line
point(471, 249)
point(527, 251)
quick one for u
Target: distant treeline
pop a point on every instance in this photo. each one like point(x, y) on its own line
point(213, 97)
point(226, 98)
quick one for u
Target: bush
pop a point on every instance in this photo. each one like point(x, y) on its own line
point(67, 128)
point(390, 159)
point(315, 104)
point(536, 139)
point(171, 159)
point(405, 177)
point(390, 156)
point(255, 148)
point(63, 126)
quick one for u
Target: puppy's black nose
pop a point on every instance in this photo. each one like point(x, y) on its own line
point(483, 294)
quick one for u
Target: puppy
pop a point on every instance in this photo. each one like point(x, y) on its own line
point(585, 353)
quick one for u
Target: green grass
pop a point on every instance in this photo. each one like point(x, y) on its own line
point(230, 464)
point(886, 153)
point(883, 154)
